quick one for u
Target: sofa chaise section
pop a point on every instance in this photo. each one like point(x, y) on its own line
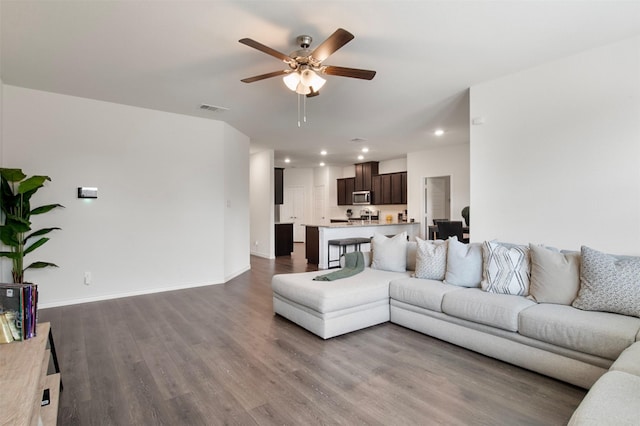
point(332, 308)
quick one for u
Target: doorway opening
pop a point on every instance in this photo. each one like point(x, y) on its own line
point(437, 200)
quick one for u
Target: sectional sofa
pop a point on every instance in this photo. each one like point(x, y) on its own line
point(569, 315)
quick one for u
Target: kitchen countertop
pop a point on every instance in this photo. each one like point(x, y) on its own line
point(358, 224)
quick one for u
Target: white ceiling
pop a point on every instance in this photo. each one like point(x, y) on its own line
point(175, 55)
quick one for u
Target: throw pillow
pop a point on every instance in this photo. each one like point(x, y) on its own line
point(431, 259)
point(389, 254)
point(609, 283)
point(555, 276)
point(412, 249)
point(505, 268)
point(464, 263)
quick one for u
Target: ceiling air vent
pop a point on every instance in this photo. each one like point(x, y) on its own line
point(213, 108)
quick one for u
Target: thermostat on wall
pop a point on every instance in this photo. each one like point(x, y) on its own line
point(87, 192)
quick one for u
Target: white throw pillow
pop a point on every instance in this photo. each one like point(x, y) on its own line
point(464, 263)
point(389, 254)
point(505, 268)
point(431, 259)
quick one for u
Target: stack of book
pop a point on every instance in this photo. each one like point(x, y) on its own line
point(18, 312)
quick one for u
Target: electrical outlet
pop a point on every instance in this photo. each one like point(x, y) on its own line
point(87, 278)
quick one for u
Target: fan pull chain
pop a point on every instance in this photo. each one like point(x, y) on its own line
point(304, 108)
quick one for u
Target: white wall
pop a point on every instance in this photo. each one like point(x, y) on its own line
point(441, 161)
point(558, 158)
point(237, 209)
point(159, 220)
point(262, 204)
point(393, 166)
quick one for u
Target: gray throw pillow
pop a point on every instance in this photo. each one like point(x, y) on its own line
point(609, 283)
point(464, 263)
point(505, 268)
point(555, 276)
point(431, 259)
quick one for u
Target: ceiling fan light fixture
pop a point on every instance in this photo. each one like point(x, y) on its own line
point(301, 89)
point(291, 80)
point(308, 77)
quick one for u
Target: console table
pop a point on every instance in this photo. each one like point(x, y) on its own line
point(23, 378)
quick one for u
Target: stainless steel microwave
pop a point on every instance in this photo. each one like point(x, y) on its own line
point(361, 198)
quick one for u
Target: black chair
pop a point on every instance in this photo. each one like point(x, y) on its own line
point(435, 221)
point(451, 229)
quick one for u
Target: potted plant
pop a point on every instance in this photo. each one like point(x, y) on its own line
point(16, 190)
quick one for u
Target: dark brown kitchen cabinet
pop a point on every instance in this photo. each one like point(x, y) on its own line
point(284, 239)
point(364, 174)
point(278, 181)
point(345, 191)
point(312, 245)
point(390, 188)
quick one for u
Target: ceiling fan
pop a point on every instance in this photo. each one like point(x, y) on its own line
point(305, 65)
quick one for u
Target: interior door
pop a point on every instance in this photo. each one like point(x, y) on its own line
point(436, 199)
point(319, 216)
point(293, 211)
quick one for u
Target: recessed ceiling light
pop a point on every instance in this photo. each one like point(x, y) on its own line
point(321, 164)
point(365, 149)
point(323, 152)
point(360, 157)
point(439, 132)
point(287, 160)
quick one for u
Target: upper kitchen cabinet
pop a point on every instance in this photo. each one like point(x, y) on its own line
point(390, 188)
point(364, 175)
point(278, 181)
point(345, 191)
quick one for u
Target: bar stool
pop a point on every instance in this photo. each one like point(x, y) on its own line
point(343, 244)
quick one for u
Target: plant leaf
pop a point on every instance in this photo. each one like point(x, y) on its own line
point(37, 265)
point(12, 175)
point(8, 236)
point(35, 245)
point(44, 209)
point(9, 254)
point(17, 224)
point(40, 232)
point(32, 183)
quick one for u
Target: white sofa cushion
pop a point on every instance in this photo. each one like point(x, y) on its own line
point(327, 296)
point(609, 283)
point(496, 310)
point(389, 254)
point(629, 360)
point(464, 263)
point(597, 333)
point(555, 276)
point(431, 259)
point(426, 294)
point(505, 268)
point(612, 400)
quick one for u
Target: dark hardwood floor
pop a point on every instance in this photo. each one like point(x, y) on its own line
point(217, 355)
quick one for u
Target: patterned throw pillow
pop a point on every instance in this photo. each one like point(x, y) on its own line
point(505, 268)
point(389, 254)
point(431, 259)
point(609, 283)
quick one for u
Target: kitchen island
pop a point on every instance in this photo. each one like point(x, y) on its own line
point(318, 236)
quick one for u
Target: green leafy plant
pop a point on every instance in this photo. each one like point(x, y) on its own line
point(465, 215)
point(16, 190)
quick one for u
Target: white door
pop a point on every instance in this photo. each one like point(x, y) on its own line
point(293, 211)
point(319, 215)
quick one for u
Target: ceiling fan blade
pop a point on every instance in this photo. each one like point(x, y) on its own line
point(348, 72)
point(335, 41)
point(263, 76)
point(266, 49)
